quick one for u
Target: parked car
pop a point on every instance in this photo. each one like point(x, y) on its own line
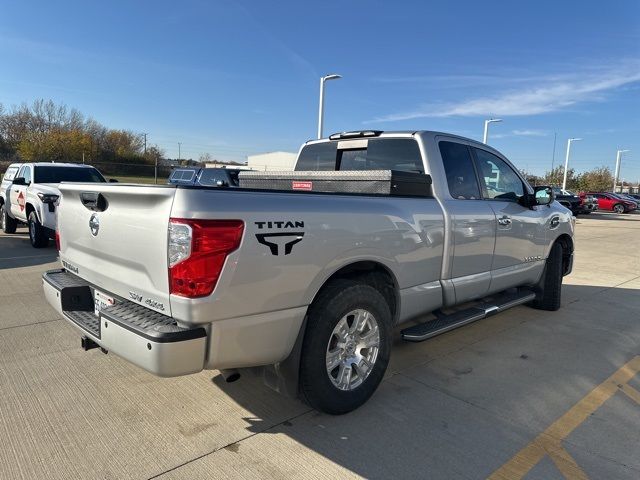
point(568, 200)
point(635, 196)
point(613, 203)
point(589, 203)
point(578, 204)
point(29, 192)
point(625, 196)
point(305, 278)
point(205, 177)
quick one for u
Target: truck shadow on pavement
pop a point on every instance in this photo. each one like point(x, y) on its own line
point(462, 404)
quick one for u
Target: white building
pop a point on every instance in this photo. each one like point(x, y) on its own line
point(272, 161)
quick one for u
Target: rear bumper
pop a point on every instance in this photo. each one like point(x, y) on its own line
point(145, 338)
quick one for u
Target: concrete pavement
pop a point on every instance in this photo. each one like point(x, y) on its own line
point(523, 393)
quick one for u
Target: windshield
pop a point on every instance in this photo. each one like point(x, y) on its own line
point(53, 174)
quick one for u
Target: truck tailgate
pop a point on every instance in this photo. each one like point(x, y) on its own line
point(115, 237)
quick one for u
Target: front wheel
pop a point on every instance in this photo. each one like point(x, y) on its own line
point(37, 234)
point(549, 289)
point(618, 208)
point(9, 225)
point(346, 347)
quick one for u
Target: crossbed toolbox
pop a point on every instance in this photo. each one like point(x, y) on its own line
point(376, 182)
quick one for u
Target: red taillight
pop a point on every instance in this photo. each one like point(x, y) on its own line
point(195, 266)
point(58, 240)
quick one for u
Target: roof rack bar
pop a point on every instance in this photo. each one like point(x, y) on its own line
point(356, 134)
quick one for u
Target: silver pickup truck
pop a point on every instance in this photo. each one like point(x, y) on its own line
point(304, 282)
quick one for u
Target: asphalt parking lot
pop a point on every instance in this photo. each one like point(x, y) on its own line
point(521, 394)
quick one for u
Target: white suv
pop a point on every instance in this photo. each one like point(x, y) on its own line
point(29, 192)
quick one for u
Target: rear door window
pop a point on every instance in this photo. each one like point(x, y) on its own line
point(10, 174)
point(461, 175)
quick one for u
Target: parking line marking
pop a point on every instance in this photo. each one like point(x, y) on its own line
point(631, 392)
point(549, 441)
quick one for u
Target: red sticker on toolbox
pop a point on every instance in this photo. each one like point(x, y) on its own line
point(302, 185)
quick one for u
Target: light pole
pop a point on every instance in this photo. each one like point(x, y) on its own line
point(566, 162)
point(618, 160)
point(486, 128)
point(321, 107)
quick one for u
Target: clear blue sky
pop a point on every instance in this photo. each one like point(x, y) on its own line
point(235, 78)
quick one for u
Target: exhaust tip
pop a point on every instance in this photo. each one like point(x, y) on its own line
point(230, 376)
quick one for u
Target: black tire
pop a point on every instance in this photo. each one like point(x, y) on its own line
point(549, 289)
point(336, 300)
point(37, 235)
point(9, 224)
point(618, 208)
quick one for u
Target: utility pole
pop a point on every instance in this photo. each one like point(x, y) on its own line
point(145, 143)
point(553, 157)
point(618, 160)
point(179, 145)
point(83, 157)
point(566, 161)
point(324, 79)
point(485, 137)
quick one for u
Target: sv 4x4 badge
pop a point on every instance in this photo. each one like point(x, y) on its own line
point(289, 238)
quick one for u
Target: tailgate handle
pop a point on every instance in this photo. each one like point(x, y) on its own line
point(94, 201)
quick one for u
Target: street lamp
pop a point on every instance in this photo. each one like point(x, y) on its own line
point(618, 160)
point(321, 108)
point(486, 128)
point(566, 161)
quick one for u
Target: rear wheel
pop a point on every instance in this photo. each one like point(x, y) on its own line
point(618, 208)
point(549, 289)
point(37, 235)
point(346, 346)
point(9, 224)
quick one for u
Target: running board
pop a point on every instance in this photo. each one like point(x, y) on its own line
point(444, 323)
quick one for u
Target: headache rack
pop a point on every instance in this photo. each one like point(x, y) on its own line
point(364, 182)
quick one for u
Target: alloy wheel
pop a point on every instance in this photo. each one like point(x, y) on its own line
point(352, 350)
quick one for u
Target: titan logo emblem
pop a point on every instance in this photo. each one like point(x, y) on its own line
point(274, 246)
point(271, 239)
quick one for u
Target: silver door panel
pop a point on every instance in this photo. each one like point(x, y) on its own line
point(516, 275)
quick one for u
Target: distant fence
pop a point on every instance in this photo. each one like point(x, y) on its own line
point(112, 169)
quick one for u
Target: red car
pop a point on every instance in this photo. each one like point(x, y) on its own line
point(612, 203)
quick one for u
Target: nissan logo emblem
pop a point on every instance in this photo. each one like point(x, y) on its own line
point(94, 224)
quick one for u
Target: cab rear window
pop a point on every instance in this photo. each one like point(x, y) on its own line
point(378, 154)
point(182, 176)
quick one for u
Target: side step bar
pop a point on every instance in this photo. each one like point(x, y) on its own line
point(445, 323)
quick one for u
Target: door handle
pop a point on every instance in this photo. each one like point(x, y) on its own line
point(504, 221)
point(94, 201)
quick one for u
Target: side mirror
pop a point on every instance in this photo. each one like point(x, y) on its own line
point(19, 181)
point(543, 195)
point(113, 180)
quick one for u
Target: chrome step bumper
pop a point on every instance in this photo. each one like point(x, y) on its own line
point(142, 336)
